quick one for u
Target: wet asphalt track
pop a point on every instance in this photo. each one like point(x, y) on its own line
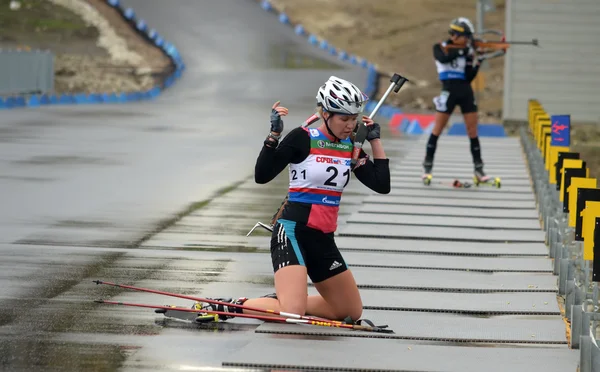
point(81, 186)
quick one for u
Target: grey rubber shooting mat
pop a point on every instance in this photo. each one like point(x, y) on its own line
point(450, 159)
point(462, 174)
point(434, 200)
point(477, 193)
point(454, 281)
point(440, 247)
point(442, 327)
point(462, 152)
point(449, 179)
point(515, 303)
point(362, 354)
point(426, 261)
point(442, 233)
point(449, 211)
point(441, 164)
point(416, 183)
point(441, 221)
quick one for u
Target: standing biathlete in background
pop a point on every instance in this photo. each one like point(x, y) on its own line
point(302, 242)
point(457, 67)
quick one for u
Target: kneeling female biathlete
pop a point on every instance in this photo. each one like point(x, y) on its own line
point(302, 241)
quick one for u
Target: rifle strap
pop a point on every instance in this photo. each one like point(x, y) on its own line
point(279, 211)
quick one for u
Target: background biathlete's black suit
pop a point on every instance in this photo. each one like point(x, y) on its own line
point(456, 72)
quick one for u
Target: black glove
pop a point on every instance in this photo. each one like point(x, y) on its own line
point(276, 122)
point(374, 132)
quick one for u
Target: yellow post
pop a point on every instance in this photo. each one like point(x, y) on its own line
point(546, 138)
point(567, 163)
point(538, 118)
point(535, 111)
point(576, 184)
point(543, 122)
point(547, 152)
point(589, 214)
point(545, 128)
point(530, 105)
point(554, 150)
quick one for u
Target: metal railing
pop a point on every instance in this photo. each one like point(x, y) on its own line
point(566, 198)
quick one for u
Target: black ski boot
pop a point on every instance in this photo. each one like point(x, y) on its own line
point(270, 295)
point(480, 177)
point(204, 306)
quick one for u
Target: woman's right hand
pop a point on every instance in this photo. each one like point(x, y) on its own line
point(276, 113)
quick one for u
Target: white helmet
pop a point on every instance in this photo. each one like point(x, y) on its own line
point(341, 96)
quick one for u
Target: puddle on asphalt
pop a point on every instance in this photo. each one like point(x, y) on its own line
point(27, 179)
point(58, 323)
point(104, 113)
point(30, 353)
point(284, 56)
point(84, 224)
point(217, 248)
point(13, 134)
point(199, 327)
point(65, 160)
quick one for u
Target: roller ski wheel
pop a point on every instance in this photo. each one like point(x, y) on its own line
point(426, 178)
point(493, 182)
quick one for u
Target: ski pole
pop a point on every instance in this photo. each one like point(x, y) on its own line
point(216, 302)
point(396, 82)
point(323, 323)
point(264, 226)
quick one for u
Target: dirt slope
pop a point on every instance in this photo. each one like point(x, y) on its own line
point(398, 36)
point(96, 51)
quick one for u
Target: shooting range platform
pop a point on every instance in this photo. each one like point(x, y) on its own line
point(462, 276)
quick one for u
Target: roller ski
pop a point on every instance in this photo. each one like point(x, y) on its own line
point(481, 179)
point(457, 184)
point(427, 178)
point(208, 310)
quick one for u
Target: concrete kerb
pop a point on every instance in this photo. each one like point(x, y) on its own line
point(143, 29)
point(373, 74)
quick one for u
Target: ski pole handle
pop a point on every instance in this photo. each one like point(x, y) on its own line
point(396, 82)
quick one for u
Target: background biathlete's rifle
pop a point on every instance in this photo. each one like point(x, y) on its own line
point(360, 136)
point(482, 44)
point(493, 48)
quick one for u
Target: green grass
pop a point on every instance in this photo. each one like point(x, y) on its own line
point(41, 19)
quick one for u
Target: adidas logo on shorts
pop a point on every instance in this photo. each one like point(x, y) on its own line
point(334, 265)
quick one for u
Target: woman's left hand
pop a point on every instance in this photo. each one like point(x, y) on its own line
point(374, 131)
